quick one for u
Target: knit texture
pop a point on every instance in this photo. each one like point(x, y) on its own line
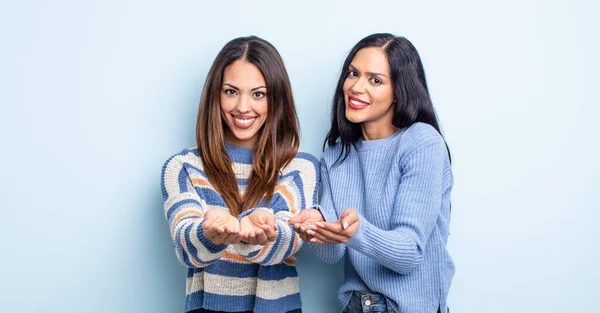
point(400, 186)
point(239, 277)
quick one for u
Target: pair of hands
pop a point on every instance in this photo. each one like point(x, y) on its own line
point(311, 226)
point(257, 228)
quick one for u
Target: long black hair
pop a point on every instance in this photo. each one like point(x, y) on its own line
point(410, 89)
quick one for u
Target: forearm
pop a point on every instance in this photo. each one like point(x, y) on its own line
point(402, 252)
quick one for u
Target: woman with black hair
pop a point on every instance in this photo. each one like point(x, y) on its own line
point(386, 177)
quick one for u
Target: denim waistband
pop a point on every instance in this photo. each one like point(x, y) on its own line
point(368, 302)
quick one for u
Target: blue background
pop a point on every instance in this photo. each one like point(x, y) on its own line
point(95, 95)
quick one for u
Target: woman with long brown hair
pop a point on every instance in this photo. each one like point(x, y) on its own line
point(228, 200)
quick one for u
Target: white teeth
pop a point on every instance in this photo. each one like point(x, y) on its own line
point(244, 121)
point(357, 102)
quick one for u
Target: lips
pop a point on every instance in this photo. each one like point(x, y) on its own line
point(356, 104)
point(244, 121)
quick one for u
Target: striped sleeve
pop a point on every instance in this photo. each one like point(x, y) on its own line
point(297, 190)
point(184, 209)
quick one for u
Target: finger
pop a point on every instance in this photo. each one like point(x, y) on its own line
point(346, 218)
point(298, 219)
point(251, 239)
point(231, 238)
point(296, 227)
point(269, 232)
point(332, 227)
point(332, 236)
point(238, 239)
point(219, 238)
point(304, 236)
point(246, 240)
point(208, 223)
point(261, 237)
point(218, 229)
point(294, 220)
point(232, 229)
point(209, 233)
point(320, 237)
point(317, 240)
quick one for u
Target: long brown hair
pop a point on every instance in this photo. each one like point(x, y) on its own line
point(278, 139)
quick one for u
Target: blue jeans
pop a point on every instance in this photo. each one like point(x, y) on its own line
point(362, 302)
point(208, 311)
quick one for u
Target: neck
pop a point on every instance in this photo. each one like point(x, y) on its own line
point(232, 140)
point(378, 129)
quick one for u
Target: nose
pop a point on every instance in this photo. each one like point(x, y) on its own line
point(243, 105)
point(358, 87)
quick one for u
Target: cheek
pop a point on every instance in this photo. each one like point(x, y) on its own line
point(347, 85)
point(262, 108)
point(226, 105)
point(383, 96)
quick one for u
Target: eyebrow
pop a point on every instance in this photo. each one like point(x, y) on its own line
point(370, 73)
point(236, 88)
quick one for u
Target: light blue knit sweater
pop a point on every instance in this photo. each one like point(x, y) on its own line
point(400, 186)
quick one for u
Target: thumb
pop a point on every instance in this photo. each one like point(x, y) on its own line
point(346, 218)
point(299, 218)
point(208, 221)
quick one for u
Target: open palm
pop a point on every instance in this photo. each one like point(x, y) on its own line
point(220, 227)
point(304, 220)
point(259, 227)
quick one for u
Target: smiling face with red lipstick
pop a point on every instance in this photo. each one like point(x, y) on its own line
point(244, 104)
point(369, 93)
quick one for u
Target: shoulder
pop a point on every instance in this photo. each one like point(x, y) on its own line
point(420, 135)
point(303, 161)
point(186, 156)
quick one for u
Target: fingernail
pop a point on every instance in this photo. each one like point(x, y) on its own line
point(313, 240)
point(345, 226)
point(310, 232)
point(302, 228)
point(320, 224)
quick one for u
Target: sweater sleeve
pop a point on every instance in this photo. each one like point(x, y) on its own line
point(297, 190)
point(329, 253)
point(417, 207)
point(184, 209)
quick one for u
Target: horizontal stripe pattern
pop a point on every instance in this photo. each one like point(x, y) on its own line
point(238, 277)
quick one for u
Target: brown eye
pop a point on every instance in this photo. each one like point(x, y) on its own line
point(258, 95)
point(375, 81)
point(229, 92)
point(352, 74)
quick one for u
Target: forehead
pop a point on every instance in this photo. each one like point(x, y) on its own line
point(243, 74)
point(371, 59)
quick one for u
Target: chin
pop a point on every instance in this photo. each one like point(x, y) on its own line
point(354, 118)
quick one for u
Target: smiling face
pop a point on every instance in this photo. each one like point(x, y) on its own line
point(244, 104)
point(368, 90)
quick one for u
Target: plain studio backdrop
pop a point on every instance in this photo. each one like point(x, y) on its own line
point(96, 95)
